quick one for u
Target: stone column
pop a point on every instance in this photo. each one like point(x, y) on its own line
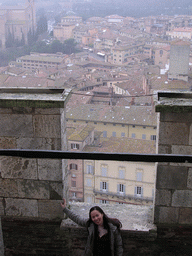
point(173, 201)
point(1, 240)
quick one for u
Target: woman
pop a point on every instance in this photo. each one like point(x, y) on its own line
point(104, 238)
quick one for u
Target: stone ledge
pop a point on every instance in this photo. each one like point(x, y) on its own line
point(134, 218)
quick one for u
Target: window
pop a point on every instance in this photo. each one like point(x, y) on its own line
point(89, 169)
point(73, 183)
point(104, 186)
point(104, 202)
point(133, 135)
point(121, 174)
point(74, 194)
point(114, 134)
point(74, 146)
point(104, 171)
point(122, 134)
point(139, 176)
point(138, 191)
point(89, 182)
point(105, 134)
point(144, 136)
point(120, 188)
point(89, 199)
point(153, 137)
point(73, 166)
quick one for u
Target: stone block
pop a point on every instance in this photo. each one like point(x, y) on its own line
point(175, 117)
point(16, 167)
point(181, 150)
point(56, 190)
point(16, 125)
point(21, 207)
point(189, 179)
point(182, 198)
point(171, 177)
point(166, 215)
point(190, 135)
point(163, 197)
point(22, 110)
point(50, 169)
point(7, 143)
point(50, 209)
point(185, 216)
point(34, 189)
point(6, 111)
point(39, 143)
point(1, 208)
point(173, 133)
point(47, 111)
point(47, 126)
point(164, 149)
point(8, 188)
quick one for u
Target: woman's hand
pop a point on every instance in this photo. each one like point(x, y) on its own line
point(63, 204)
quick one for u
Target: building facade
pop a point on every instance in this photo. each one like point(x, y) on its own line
point(16, 22)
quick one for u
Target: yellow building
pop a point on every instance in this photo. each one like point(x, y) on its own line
point(64, 30)
point(16, 22)
point(120, 182)
point(137, 122)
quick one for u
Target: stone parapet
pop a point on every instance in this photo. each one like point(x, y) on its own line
point(173, 203)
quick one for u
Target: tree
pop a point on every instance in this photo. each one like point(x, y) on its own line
point(42, 25)
point(69, 46)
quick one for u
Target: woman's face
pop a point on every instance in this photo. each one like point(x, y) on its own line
point(97, 217)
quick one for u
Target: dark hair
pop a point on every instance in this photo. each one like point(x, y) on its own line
point(106, 219)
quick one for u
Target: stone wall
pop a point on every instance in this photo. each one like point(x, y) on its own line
point(173, 203)
point(46, 238)
point(31, 187)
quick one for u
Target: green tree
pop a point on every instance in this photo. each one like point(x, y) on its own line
point(42, 25)
point(56, 46)
point(69, 46)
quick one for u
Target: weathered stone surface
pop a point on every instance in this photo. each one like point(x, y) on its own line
point(166, 215)
point(177, 133)
point(21, 207)
point(8, 188)
point(164, 149)
point(50, 169)
point(176, 117)
point(181, 150)
point(189, 179)
point(16, 167)
point(171, 177)
point(163, 197)
point(47, 111)
point(33, 189)
point(39, 143)
point(5, 110)
point(1, 240)
point(56, 190)
point(1, 208)
point(182, 198)
point(7, 143)
point(49, 209)
point(22, 110)
point(47, 126)
point(185, 216)
point(16, 125)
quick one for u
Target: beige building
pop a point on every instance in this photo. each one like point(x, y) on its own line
point(181, 33)
point(121, 54)
point(64, 30)
point(138, 122)
point(36, 61)
point(120, 182)
point(16, 22)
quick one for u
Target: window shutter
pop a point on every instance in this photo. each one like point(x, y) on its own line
point(107, 187)
point(118, 188)
point(141, 191)
point(101, 185)
point(124, 189)
point(135, 191)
